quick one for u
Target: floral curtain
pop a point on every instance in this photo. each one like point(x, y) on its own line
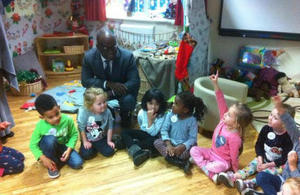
point(199, 27)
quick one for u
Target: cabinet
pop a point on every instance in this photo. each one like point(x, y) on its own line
point(57, 43)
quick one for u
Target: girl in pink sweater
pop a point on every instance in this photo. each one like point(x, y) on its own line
point(227, 137)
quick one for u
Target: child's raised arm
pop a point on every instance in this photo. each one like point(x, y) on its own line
point(214, 80)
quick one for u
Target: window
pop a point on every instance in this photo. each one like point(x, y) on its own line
point(142, 9)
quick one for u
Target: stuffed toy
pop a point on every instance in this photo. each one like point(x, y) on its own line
point(262, 91)
point(286, 87)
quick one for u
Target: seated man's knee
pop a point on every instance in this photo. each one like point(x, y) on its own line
point(127, 103)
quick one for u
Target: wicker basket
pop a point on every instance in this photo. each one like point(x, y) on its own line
point(27, 89)
point(74, 49)
point(145, 85)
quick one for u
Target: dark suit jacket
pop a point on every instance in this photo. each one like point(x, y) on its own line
point(124, 70)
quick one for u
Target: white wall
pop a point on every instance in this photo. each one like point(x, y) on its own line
point(227, 48)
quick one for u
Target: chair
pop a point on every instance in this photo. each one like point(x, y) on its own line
point(233, 92)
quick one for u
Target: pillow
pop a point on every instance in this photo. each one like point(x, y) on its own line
point(258, 57)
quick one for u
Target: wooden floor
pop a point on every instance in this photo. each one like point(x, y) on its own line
point(115, 175)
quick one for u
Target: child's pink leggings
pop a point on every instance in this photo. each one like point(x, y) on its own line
point(206, 159)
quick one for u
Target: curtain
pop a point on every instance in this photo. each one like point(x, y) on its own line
point(179, 13)
point(95, 10)
point(7, 70)
point(199, 30)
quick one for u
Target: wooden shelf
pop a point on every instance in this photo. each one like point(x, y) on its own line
point(61, 54)
point(75, 74)
point(43, 43)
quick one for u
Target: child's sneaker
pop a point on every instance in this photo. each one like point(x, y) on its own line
point(191, 160)
point(242, 185)
point(53, 174)
point(227, 179)
point(215, 179)
point(249, 191)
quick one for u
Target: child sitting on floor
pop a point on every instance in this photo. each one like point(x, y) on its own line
point(11, 160)
point(150, 119)
point(272, 147)
point(95, 123)
point(54, 137)
point(271, 184)
point(227, 138)
point(179, 131)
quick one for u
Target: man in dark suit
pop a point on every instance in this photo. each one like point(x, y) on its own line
point(114, 69)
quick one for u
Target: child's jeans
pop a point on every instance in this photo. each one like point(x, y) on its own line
point(208, 161)
point(11, 161)
point(97, 146)
point(271, 184)
point(162, 149)
point(53, 150)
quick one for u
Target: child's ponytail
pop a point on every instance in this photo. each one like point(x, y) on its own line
point(200, 108)
point(194, 104)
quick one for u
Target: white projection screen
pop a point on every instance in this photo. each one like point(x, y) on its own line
point(275, 19)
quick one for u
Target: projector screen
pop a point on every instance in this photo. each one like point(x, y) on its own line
point(279, 19)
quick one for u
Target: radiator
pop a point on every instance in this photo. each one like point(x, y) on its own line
point(134, 36)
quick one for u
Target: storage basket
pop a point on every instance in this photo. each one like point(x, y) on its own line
point(145, 85)
point(74, 49)
point(27, 89)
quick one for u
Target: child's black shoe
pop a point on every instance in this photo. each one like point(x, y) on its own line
point(140, 157)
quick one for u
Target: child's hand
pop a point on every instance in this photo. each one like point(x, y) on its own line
point(179, 150)
point(87, 144)
point(261, 167)
point(65, 156)
point(170, 150)
point(214, 80)
point(292, 160)
point(111, 144)
point(151, 115)
point(4, 125)
point(278, 104)
point(48, 163)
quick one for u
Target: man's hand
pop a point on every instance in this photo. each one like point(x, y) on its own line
point(118, 88)
point(48, 163)
point(292, 160)
point(179, 150)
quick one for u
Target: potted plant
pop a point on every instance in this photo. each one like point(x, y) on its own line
point(29, 82)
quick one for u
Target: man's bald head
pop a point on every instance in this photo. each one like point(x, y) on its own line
point(106, 43)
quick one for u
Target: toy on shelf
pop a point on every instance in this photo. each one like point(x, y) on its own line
point(58, 65)
point(286, 87)
point(69, 66)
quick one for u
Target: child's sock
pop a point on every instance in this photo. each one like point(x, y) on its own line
point(204, 169)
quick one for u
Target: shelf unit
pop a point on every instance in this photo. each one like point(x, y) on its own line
point(58, 42)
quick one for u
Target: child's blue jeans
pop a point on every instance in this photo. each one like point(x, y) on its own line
point(97, 146)
point(270, 184)
point(54, 150)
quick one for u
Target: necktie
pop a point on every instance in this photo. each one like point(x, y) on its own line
point(107, 69)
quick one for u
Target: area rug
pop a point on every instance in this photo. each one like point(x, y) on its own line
point(69, 96)
point(261, 110)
